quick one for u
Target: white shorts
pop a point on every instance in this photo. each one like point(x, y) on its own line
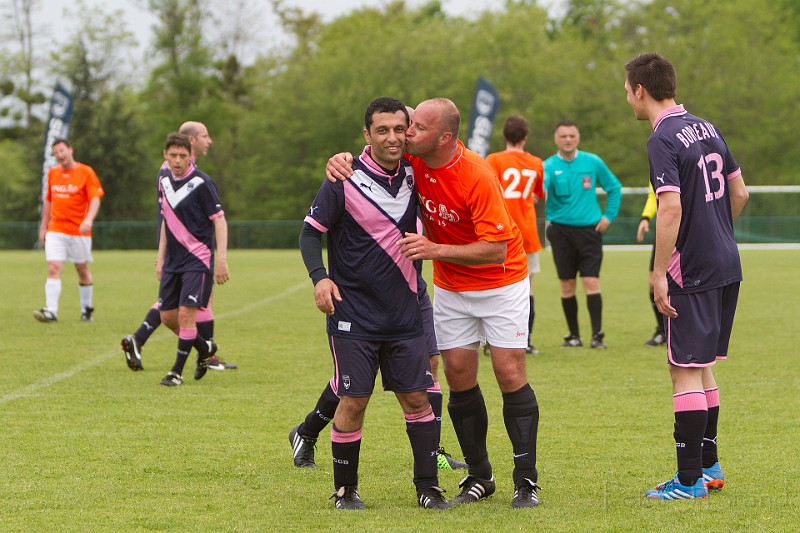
point(533, 263)
point(497, 316)
point(63, 247)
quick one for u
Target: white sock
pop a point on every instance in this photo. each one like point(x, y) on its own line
point(52, 292)
point(86, 295)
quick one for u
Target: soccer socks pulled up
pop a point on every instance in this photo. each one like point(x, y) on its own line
point(322, 414)
point(710, 436)
point(205, 323)
point(521, 417)
point(468, 413)
point(52, 293)
point(345, 449)
point(594, 303)
point(435, 399)
point(691, 417)
point(151, 321)
point(570, 306)
point(186, 337)
point(423, 436)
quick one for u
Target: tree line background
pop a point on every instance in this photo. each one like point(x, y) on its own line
point(277, 116)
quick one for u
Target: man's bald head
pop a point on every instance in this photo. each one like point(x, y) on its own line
point(198, 136)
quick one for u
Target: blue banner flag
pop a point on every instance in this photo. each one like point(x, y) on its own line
point(485, 105)
point(57, 127)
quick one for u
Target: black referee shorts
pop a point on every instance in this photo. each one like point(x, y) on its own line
point(576, 249)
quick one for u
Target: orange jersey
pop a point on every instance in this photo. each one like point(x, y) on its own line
point(69, 193)
point(462, 203)
point(521, 177)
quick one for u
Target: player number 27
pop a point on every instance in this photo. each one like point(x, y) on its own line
point(713, 162)
point(514, 175)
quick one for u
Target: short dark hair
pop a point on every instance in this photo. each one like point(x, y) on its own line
point(567, 123)
point(179, 140)
point(515, 129)
point(384, 104)
point(60, 141)
point(655, 74)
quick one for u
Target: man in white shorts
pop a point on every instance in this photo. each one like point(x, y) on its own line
point(69, 208)
point(481, 293)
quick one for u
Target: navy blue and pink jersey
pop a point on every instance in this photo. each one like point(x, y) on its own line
point(188, 207)
point(364, 217)
point(689, 156)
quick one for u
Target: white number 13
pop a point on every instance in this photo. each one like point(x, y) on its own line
point(713, 160)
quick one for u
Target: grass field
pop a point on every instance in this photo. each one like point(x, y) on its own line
point(91, 446)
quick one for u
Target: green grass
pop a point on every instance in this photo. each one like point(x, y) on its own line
point(91, 446)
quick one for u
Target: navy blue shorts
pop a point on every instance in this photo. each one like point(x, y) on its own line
point(184, 289)
point(575, 249)
point(426, 309)
point(701, 332)
point(404, 365)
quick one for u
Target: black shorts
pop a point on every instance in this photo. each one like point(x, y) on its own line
point(184, 289)
point(404, 365)
point(576, 249)
point(701, 332)
point(426, 309)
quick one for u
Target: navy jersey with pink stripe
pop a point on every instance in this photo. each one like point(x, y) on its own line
point(689, 156)
point(364, 217)
point(188, 207)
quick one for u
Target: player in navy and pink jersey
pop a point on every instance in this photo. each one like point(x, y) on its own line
point(193, 222)
point(697, 270)
point(369, 293)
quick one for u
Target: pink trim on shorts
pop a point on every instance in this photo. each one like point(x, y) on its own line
point(423, 416)
point(712, 397)
point(343, 438)
point(693, 400)
point(334, 387)
point(187, 334)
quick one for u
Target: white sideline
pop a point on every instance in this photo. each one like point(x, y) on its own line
point(44, 383)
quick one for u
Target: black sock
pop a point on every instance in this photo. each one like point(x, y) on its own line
point(570, 306)
point(184, 347)
point(201, 346)
point(206, 329)
point(689, 428)
point(322, 414)
point(531, 316)
point(659, 316)
point(435, 399)
point(521, 416)
point(151, 321)
point(468, 413)
point(710, 438)
point(424, 442)
point(594, 302)
point(345, 457)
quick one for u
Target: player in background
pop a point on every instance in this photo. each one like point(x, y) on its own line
point(480, 293)
point(521, 177)
point(577, 225)
point(69, 208)
point(132, 344)
point(697, 270)
point(192, 226)
point(370, 294)
point(648, 213)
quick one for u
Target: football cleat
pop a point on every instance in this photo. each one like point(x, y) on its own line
point(133, 352)
point(473, 489)
point(572, 341)
point(45, 315)
point(227, 366)
point(445, 461)
point(525, 494)
point(657, 339)
point(86, 314)
point(432, 498)
point(348, 498)
point(201, 367)
point(713, 477)
point(597, 340)
point(303, 448)
point(214, 363)
point(172, 379)
point(674, 490)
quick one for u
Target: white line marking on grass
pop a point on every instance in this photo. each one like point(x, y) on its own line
point(30, 390)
